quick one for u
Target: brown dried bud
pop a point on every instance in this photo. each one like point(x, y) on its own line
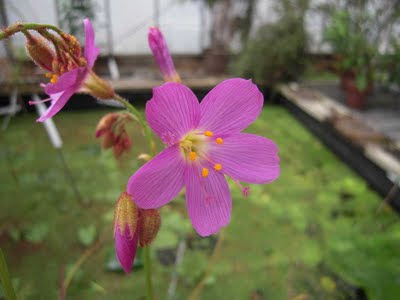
point(149, 225)
point(40, 51)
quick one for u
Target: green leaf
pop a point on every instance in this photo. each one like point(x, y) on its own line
point(5, 279)
point(87, 235)
point(37, 233)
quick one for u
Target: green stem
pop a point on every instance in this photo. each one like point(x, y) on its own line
point(5, 279)
point(147, 269)
point(18, 27)
point(142, 122)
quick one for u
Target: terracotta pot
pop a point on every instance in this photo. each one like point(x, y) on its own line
point(346, 77)
point(354, 97)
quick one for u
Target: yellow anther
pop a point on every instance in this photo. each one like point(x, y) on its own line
point(192, 156)
point(48, 75)
point(204, 172)
point(208, 133)
point(218, 167)
point(54, 78)
point(219, 141)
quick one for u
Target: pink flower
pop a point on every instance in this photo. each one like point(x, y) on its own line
point(72, 81)
point(204, 143)
point(161, 53)
point(133, 225)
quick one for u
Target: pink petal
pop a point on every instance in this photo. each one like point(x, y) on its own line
point(57, 103)
point(231, 106)
point(71, 79)
point(247, 157)
point(125, 248)
point(158, 181)
point(172, 112)
point(208, 200)
point(91, 51)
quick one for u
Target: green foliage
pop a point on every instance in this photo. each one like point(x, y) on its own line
point(277, 51)
point(87, 235)
point(37, 233)
point(316, 227)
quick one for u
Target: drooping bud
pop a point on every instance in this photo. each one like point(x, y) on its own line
point(98, 87)
point(122, 144)
point(162, 56)
point(126, 215)
point(73, 44)
point(149, 225)
point(105, 123)
point(40, 51)
point(113, 132)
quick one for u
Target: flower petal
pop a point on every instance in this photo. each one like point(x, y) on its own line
point(172, 112)
point(68, 80)
point(231, 106)
point(57, 103)
point(125, 248)
point(247, 157)
point(91, 51)
point(208, 200)
point(158, 181)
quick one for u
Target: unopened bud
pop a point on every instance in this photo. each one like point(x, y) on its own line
point(149, 225)
point(73, 44)
point(40, 51)
point(108, 140)
point(162, 56)
point(98, 87)
point(105, 123)
point(144, 156)
point(126, 216)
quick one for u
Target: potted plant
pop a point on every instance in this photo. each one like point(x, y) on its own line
point(355, 54)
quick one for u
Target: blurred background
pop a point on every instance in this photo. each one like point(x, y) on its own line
point(328, 228)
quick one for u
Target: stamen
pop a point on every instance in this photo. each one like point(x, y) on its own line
point(218, 167)
point(219, 141)
point(48, 75)
point(54, 78)
point(40, 101)
point(192, 156)
point(204, 172)
point(208, 133)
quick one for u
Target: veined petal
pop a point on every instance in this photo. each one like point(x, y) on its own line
point(172, 112)
point(125, 248)
point(159, 180)
point(208, 200)
point(71, 79)
point(57, 103)
point(247, 157)
point(231, 106)
point(91, 51)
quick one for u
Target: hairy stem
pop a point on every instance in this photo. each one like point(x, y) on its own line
point(18, 27)
point(147, 269)
point(142, 122)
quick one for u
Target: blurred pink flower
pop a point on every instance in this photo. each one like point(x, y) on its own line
point(161, 54)
point(70, 82)
point(204, 143)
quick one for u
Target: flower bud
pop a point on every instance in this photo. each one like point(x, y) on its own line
point(162, 56)
point(149, 225)
point(40, 51)
point(113, 132)
point(105, 123)
point(126, 215)
point(98, 87)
